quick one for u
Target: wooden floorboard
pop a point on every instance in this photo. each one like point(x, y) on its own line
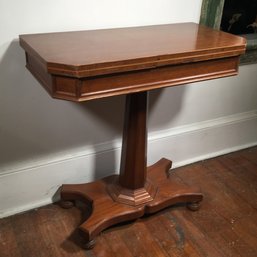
point(226, 224)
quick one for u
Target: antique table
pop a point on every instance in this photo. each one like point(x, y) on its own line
point(84, 65)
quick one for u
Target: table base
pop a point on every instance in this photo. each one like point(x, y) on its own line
point(106, 211)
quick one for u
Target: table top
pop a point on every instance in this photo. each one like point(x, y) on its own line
point(97, 52)
point(85, 65)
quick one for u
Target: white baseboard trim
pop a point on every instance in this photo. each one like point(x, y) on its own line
point(29, 185)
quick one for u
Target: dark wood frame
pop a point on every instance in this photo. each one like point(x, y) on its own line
point(211, 14)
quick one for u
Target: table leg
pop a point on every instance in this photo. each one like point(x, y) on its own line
point(138, 190)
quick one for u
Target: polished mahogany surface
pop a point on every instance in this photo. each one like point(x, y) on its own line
point(97, 52)
point(86, 65)
point(74, 65)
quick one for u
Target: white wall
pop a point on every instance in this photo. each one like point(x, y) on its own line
point(46, 142)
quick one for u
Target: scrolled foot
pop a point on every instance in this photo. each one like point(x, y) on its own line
point(66, 204)
point(89, 245)
point(194, 206)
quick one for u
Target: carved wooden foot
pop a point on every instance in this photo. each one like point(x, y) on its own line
point(108, 210)
point(66, 204)
point(193, 206)
point(90, 244)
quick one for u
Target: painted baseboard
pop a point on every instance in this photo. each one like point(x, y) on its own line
point(30, 185)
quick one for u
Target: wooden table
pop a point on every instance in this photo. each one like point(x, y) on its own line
point(85, 65)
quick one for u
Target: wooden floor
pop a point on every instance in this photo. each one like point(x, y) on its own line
point(226, 224)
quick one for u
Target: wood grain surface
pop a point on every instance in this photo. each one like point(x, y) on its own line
point(97, 52)
point(85, 65)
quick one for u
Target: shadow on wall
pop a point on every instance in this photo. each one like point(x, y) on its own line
point(34, 126)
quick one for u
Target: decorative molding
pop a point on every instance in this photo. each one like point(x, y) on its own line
point(36, 184)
